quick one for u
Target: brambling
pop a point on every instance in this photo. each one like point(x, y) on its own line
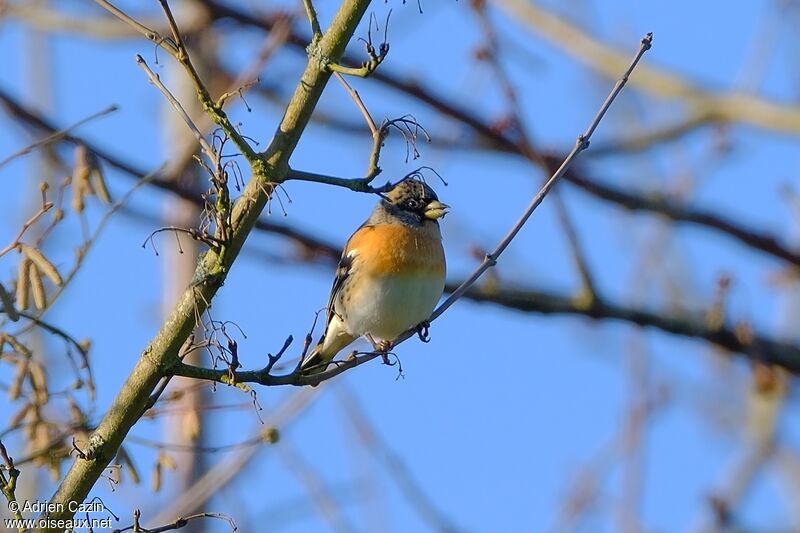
point(390, 276)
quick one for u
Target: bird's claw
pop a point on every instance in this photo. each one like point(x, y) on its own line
point(423, 331)
point(383, 347)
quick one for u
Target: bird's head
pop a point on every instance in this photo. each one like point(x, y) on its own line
point(417, 198)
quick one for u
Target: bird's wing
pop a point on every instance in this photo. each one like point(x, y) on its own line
point(343, 270)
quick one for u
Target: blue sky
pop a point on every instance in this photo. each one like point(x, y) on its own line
point(500, 412)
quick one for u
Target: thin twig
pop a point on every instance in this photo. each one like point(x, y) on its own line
point(354, 184)
point(207, 102)
point(58, 332)
point(192, 448)
point(312, 18)
point(155, 80)
point(57, 136)
point(527, 148)
point(296, 378)
point(390, 459)
point(8, 482)
point(177, 524)
point(177, 49)
point(28, 223)
point(360, 103)
point(153, 35)
point(581, 144)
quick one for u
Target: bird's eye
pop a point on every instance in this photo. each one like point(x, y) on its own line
point(412, 204)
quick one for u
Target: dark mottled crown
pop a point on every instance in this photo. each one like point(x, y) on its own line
point(411, 195)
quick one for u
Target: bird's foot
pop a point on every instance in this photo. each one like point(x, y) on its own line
point(381, 347)
point(423, 331)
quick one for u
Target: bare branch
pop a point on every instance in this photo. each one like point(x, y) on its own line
point(177, 524)
point(312, 18)
point(264, 376)
point(354, 184)
point(360, 103)
point(155, 80)
point(25, 227)
point(661, 83)
point(152, 35)
point(8, 482)
point(581, 144)
point(162, 352)
point(57, 136)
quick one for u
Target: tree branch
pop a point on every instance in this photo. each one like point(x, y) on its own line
point(759, 240)
point(57, 135)
point(176, 105)
point(177, 524)
point(296, 377)
point(162, 352)
point(312, 19)
point(661, 83)
point(354, 184)
point(757, 348)
point(528, 300)
point(8, 482)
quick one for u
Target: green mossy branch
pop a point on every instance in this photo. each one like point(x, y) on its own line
point(268, 168)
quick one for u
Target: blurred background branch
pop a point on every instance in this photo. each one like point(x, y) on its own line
point(503, 421)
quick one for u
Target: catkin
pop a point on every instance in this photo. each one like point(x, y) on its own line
point(46, 267)
point(37, 287)
point(99, 183)
point(23, 283)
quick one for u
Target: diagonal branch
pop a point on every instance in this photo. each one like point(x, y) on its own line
point(296, 377)
point(660, 83)
point(56, 135)
point(156, 80)
point(676, 211)
point(694, 326)
point(756, 347)
point(177, 49)
point(580, 145)
point(311, 13)
point(758, 240)
point(162, 352)
point(527, 300)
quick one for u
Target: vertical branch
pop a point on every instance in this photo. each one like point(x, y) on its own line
point(633, 438)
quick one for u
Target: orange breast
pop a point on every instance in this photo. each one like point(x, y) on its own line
point(387, 249)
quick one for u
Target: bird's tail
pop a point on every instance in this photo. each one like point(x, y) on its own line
point(321, 355)
point(316, 359)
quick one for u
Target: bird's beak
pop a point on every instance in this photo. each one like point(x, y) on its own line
point(436, 210)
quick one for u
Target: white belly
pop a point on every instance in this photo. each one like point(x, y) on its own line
point(393, 305)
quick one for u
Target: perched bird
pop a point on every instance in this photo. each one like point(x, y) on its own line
point(390, 276)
